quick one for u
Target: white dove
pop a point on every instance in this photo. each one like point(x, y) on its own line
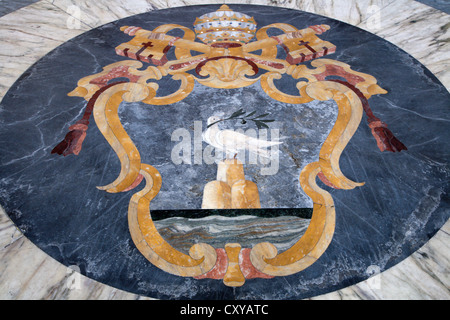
point(231, 142)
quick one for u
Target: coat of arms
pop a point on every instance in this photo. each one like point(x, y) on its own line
point(226, 50)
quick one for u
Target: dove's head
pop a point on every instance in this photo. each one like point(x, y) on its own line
point(213, 119)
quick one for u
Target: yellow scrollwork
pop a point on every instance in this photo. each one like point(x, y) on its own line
point(312, 244)
point(348, 103)
point(202, 257)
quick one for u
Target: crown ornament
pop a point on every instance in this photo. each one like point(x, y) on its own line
point(225, 25)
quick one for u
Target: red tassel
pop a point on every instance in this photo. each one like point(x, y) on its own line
point(384, 137)
point(72, 141)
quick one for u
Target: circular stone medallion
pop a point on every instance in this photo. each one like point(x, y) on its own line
point(226, 152)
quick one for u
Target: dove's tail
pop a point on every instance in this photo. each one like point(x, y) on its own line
point(266, 143)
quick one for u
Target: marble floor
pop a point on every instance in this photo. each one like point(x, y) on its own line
point(29, 30)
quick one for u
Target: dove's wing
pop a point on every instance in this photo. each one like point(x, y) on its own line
point(211, 137)
point(232, 142)
point(243, 141)
point(206, 136)
point(232, 139)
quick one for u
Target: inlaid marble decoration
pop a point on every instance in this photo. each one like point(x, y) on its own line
point(222, 152)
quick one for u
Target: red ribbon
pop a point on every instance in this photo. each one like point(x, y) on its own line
point(73, 140)
point(384, 137)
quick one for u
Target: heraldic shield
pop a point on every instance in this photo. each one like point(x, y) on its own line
point(226, 50)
